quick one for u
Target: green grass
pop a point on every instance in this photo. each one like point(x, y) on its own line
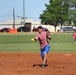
point(62, 38)
point(63, 47)
point(56, 38)
point(34, 47)
point(22, 43)
point(15, 38)
point(20, 47)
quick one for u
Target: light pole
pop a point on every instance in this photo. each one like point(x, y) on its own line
point(13, 18)
point(24, 12)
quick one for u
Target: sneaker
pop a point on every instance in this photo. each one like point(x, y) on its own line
point(43, 65)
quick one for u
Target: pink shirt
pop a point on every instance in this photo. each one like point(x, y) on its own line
point(42, 39)
point(74, 35)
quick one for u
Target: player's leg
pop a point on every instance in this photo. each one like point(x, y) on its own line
point(45, 58)
point(44, 54)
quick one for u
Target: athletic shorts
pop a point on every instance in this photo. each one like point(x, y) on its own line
point(45, 49)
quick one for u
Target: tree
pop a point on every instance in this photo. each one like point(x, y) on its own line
point(72, 12)
point(56, 12)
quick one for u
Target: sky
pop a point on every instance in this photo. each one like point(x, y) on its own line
point(33, 9)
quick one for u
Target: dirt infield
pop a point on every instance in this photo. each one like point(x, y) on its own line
point(22, 64)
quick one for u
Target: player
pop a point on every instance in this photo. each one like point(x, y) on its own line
point(43, 37)
point(74, 36)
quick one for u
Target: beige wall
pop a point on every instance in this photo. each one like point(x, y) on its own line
point(49, 27)
point(18, 23)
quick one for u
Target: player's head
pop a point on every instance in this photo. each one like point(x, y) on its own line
point(40, 28)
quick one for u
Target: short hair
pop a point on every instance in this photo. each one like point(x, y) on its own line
point(40, 27)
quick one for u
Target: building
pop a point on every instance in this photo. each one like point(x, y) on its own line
point(18, 23)
point(28, 22)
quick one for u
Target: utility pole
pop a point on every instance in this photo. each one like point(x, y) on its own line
point(13, 18)
point(24, 12)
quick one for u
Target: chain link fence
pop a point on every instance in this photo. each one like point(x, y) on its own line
point(26, 38)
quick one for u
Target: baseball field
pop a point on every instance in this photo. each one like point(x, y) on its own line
point(18, 55)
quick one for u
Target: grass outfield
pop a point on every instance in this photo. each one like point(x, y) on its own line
point(31, 47)
point(22, 43)
point(26, 38)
